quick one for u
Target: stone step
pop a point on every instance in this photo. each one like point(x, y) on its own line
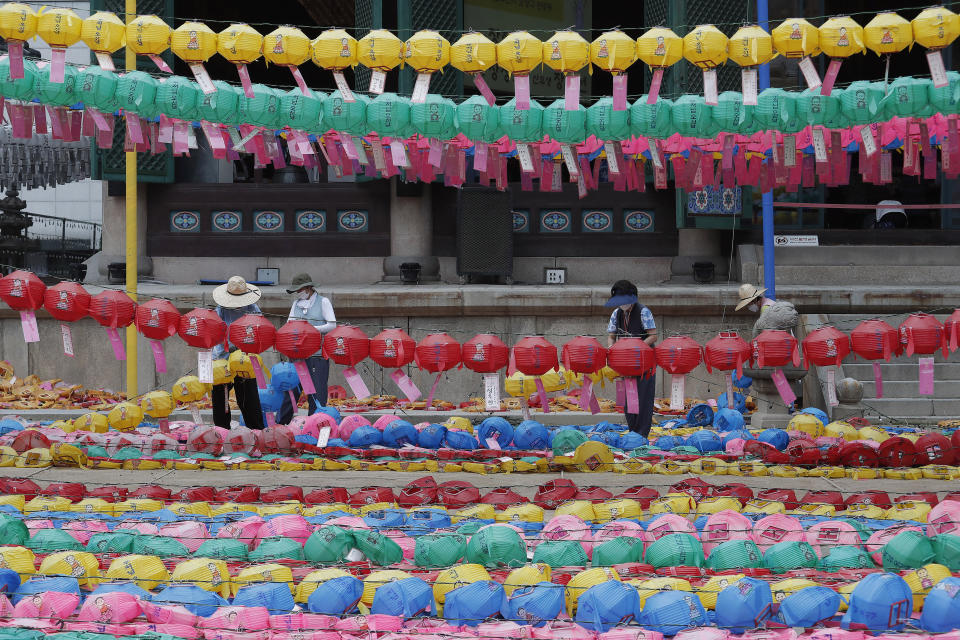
point(913, 407)
point(865, 274)
point(903, 372)
point(946, 389)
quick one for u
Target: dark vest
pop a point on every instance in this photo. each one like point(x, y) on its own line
point(635, 330)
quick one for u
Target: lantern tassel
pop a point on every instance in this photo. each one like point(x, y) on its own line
point(677, 392)
point(15, 50)
point(159, 358)
point(878, 379)
point(521, 91)
point(118, 351)
point(620, 92)
point(244, 74)
point(571, 92)
point(655, 85)
point(58, 60)
point(938, 73)
point(67, 336)
point(306, 382)
point(161, 64)
point(202, 78)
point(831, 78)
point(105, 60)
point(542, 393)
point(356, 383)
point(481, 85)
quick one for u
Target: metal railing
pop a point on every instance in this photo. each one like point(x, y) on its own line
point(62, 234)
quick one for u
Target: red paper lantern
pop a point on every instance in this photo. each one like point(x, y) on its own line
point(951, 328)
point(202, 328)
point(485, 353)
point(583, 354)
point(67, 301)
point(346, 345)
point(826, 346)
point(678, 355)
point(632, 357)
point(112, 309)
point(22, 290)
point(157, 319)
point(298, 339)
point(437, 352)
point(392, 348)
point(774, 348)
point(727, 352)
point(922, 333)
point(534, 356)
point(252, 333)
point(875, 340)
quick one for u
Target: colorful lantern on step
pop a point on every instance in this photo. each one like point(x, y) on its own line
point(188, 389)
point(149, 36)
point(158, 404)
point(567, 52)
point(125, 416)
point(797, 38)
point(750, 47)
point(437, 352)
point(18, 23)
point(840, 38)
point(298, 339)
point(614, 52)
point(252, 333)
point(67, 301)
point(678, 356)
point(951, 329)
point(473, 54)
point(288, 47)
point(426, 53)
point(336, 50)
point(727, 352)
point(195, 43)
point(380, 51)
point(105, 34)
point(706, 47)
point(59, 27)
point(659, 48)
point(936, 28)
point(241, 44)
point(826, 346)
point(202, 328)
point(922, 334)
point(519, 54)
point(485, 353)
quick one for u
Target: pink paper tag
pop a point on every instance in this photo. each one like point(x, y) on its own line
point(406, 384)
point(163, 66)
point(571, 92)
point(298, 77)
point(712, 402)
point(492, 444)
point(136, 131)
point(28, 321)
point(436, 152)
point(293, 401)
point(830, 79)
point(258, 372)
point(633, 397)
point(810, 73)
point(480, 157)
point(544, 401)
point(15, 49)
point(40, 120)
point(655, 85)
point(484, 90)
point(244, 74)
point(433, 389)
point(305, 380)
point(398, 154)
point(105, 61)
point(783, 387)
point(271, 419)
point(159, 358)
point(118, 351)
point(586, 393)
point(621, 392)
point(348, 147)
point(164, 424)
point(521, 91)
point(926, 376)
point(878, 379)
point(620, 92)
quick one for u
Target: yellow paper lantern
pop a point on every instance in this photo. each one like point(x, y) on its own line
point(95, 422)
point(887, 33)
point(613, 51)
point(59, 28)
point(660, 48)
point(580, 583)
point(519, 54)
point(796, 38)
point(566, 52)
point(18, 23)
point(241, 44)
point(706, 47)
point(241, 364)
point(195, 43)
point(20, 559)
point(520, 385)
point(841, 37)
point(334, 50)
point(149, 36)
point(207, 573)
point(125, 416)
point(147, 572)
point(380, 51)
point(188, 389)
point(288, 47)
point(750, 47)
point(81, 565)
point(221, 372)
point(105, 34)
point(427, 52)
point(157, 404)
point(922, 580)
point(934, 27)
point(473, 53)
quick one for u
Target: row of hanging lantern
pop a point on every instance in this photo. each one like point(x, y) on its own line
point(393, 348)
point(519, 53)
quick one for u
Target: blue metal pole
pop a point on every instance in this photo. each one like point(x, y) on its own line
point(769, 267)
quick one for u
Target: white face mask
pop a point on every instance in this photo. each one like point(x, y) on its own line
point(753, 307)
point(304, 295)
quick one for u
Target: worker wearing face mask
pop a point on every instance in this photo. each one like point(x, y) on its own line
point(752, 298)
point(309, 305)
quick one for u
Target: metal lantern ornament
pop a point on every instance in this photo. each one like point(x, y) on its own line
point(113, 310)
point(67, 302)
point(253, 334)
point(678, 356)
point(18, 23)
point(750, 47)
point(149, 36)
point(519, 54)
point(288, 47)
point(336, 50)
point(706, 47)
point(840, 38)
point(58, 27)
point(195, 43)
point(936, 28)
point(24, 291)
point(348, 346)
point(157, 320)
point(473, 54)
point(241, 44)
point(567, 52)
point(203, 329)
point(659, 48)
point(585, 354)
point(380, 51)
point(797, 38)
point(105, 34)
point(614, 51)
point(426, 52)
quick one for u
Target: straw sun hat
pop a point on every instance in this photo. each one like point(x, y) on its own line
point(236, 293)
point(749, 293)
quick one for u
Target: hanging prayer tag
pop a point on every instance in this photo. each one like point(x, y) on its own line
point(420, 88)
point(28, 322)
point(610, 149)
point(343, 87)
point(205, 366)
point(378, 80)
point(202, 78)
point(810, 74)
point(938, 72)
point(710, 94)
point(819, 145)
point(789, 151)
point(730, 404)
point(832, 387)
point(748, 80)
point(677, 385)
point(67, 339)
point(886, 168)
point(523, 153)
point(569, 158)
point(869, 144)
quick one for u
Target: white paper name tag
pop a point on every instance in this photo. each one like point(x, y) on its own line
point(677, 385)
point(491, 392)
point(67, 340)
point(205, 367)
point(819, 145)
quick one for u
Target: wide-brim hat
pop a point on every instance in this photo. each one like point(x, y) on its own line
point(623, 298)
point(748, 293)
point(300, 281)
point(236, 293)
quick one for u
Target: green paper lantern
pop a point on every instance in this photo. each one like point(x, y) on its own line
point(566, 441)
point(51, 540)
point(340, 115)
point(845, 557)
point(160, 546)
point(787, 556)
point(59, 94)
point(137, 93)
point(522, 126)
point(478, 120)
point(652, 120)
point(221, 106)
point(908, 97)
point(731, 115)
point(617, 551)
point(178, 98)
point(566, 127)
point(946, 99)
point(946, 548)
point(223, 549)
point(692, 116)
point(675, 550)
point(607, 124)
point(735, 554)
point(775, 109)
point(22, 89)
point(111, 542)
point(262, 110)
point(439, 550)
point(97, 88)
point(276, 548)
point(560, 553)
point(13, 531)
point(907, 550)
point(302, 112)
point(389, 116)
point(817, 109)
point(497, 546)
point(378, 548)
point(861, 102)
point(435, 118)
point(328, 545)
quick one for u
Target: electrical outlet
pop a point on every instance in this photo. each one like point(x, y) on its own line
point(555, 275)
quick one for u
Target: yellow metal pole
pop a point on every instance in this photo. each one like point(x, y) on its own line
point(131, 230)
